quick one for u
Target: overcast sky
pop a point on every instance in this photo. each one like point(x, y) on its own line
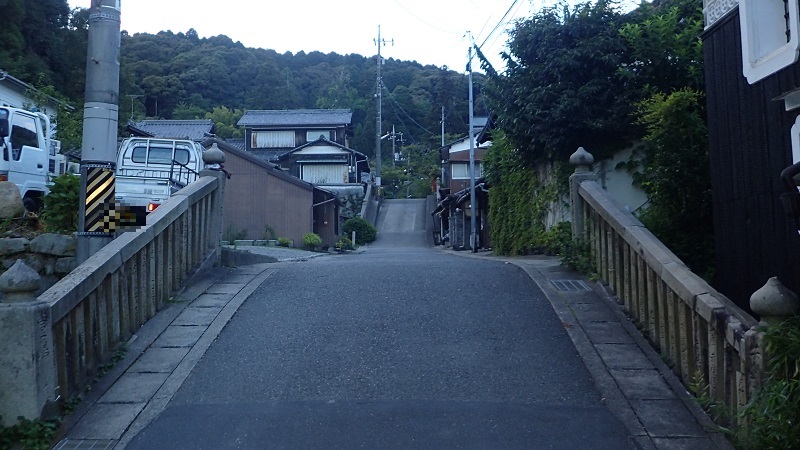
point(426, 31)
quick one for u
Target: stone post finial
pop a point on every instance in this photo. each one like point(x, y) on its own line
point(19, 283)
point(773, 302)
point(213, 156)
point(582, 160)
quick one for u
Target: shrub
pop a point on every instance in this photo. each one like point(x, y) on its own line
point(771, 418)
point(312, 240)
point(61, 205)
point(269, 232)
point(284, 242)
point(345, 244)
point(365, 232)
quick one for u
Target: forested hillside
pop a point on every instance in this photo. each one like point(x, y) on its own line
point(181, 76)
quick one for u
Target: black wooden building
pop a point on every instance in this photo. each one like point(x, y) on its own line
point(753, 88)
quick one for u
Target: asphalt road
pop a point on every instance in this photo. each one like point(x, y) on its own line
point(400, 346)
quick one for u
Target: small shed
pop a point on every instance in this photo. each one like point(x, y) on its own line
point(262, 200)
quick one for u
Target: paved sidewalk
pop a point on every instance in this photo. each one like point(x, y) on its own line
point(159, 358)
point(636, 384)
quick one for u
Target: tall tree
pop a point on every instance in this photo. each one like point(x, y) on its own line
point(561, 88)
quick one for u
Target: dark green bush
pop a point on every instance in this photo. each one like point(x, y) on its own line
point(365, 232)
point(61, 205)
point(771, 418)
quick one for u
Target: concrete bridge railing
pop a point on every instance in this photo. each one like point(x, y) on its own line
point(55, 343)
point(710, 341)
point(371, 205)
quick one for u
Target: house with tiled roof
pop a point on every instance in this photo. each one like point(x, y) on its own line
point(272, 133)
point(195, 130)
point(324, 162)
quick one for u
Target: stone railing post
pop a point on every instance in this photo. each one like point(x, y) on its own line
point(27, 357)
point(582, 160)
point(213, 158)
point(774, 302)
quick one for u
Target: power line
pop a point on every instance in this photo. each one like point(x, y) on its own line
point(500, 23)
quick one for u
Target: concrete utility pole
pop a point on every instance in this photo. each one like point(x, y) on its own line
point(444, 183)
point(380, 43)
point(472, 200)
point(96, 220)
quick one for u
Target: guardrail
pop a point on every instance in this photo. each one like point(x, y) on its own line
point(711, 343)
point(80, 322)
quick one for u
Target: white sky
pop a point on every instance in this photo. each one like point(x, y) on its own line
point(426, 31)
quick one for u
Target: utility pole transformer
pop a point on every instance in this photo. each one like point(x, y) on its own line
point(96, 220)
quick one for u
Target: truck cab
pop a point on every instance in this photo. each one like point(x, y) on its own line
point(29, 157)
point(150, 170)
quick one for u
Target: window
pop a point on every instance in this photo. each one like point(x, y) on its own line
point(770, 31)
point(23, 132)
point(272, 139)
point(313, 135)
point(159, 155)
point(461, 170)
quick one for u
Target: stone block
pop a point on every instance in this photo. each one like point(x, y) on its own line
point(55, 244)
point(65, 265)
point(27, 364)
point(10, 246)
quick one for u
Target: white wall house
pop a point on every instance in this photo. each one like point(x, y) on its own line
point(15, 93)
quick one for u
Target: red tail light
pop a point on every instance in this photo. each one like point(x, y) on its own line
point(152, 207)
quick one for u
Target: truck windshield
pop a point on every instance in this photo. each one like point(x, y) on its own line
point(159, 155)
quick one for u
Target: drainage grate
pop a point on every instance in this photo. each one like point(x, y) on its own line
point(570, 285)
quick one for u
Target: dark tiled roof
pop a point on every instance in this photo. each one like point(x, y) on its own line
point(296, 117)
point(238, 143)
point(196, 130)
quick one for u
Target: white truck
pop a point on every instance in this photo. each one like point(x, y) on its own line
point(29, 156)
point(150, 170)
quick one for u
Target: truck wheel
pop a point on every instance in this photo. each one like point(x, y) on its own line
point(31, 204)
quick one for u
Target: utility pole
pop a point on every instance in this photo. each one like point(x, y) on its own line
point(96, 219)
point(380, 43)
point(133, 96)
point(444, 184)
point(472, 199)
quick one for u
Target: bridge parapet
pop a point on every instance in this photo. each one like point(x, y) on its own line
point(96, 308)
point(710, 342)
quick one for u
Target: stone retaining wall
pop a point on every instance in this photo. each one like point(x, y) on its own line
point(51, 255)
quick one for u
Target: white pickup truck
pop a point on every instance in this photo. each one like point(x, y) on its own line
point(150, 170)
point(29, 156)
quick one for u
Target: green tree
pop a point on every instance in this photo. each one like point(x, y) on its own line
point(561, 88)
point(225, 121)
point(675, 175)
